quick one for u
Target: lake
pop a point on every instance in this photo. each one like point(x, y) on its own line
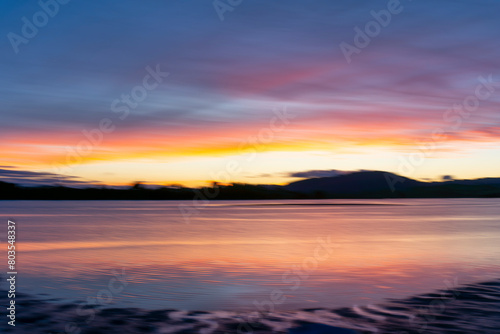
point(245, 255)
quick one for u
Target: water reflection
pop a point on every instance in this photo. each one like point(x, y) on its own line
point(235, 253)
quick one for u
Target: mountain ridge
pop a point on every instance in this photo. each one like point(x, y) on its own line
point(362, 184)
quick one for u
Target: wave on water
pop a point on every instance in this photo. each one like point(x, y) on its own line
point(473, 308)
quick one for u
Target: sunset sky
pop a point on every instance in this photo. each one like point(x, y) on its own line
point(256, 97)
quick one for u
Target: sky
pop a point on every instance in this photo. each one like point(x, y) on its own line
point(189, 92)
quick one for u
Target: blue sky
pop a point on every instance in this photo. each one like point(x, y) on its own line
point(226, 78)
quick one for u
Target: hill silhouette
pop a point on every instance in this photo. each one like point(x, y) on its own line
point(369, 183)
point(378, 184)
point(365, 184)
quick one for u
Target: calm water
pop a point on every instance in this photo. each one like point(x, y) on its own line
point(234, 255)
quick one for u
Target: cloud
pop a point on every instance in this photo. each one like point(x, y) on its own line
point(394, 93)
point(319, 173)
point(29, 178)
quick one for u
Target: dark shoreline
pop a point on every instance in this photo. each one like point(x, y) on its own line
point(359, 185)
